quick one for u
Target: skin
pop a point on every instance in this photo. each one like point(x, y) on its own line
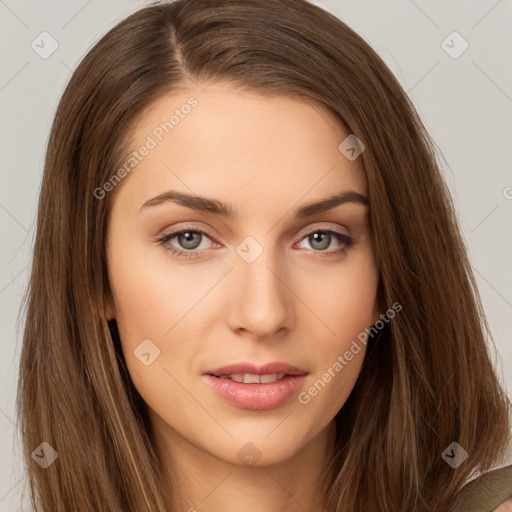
point(295, 303)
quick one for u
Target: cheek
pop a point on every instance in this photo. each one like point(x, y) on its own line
point(163, 302)
point(347, 304)
point(346, 298)
point(149, 304)
point(151, 294)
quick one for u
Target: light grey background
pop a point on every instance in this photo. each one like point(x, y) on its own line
point(464, 102)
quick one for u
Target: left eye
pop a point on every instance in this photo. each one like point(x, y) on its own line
point(320, 240)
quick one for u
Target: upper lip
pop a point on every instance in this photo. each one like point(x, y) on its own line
point(269, 368)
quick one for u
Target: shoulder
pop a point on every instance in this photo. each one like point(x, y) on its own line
point(486, 493)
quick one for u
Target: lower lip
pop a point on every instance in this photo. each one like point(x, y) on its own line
point(256, 397)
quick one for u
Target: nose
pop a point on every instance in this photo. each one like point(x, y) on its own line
point(261, 303)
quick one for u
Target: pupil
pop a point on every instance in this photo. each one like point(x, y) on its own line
point(320, 237)
point(186, 239)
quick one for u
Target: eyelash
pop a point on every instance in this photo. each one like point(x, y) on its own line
point(194, 253)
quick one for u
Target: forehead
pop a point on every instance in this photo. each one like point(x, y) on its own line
point(240, 147)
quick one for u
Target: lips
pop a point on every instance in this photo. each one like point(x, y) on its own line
point(248, 386)
point(276, 367)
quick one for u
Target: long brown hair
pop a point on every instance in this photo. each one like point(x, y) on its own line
point(427, 380)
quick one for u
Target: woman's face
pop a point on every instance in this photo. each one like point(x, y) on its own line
point(255, 279)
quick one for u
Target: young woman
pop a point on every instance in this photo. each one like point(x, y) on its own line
point(249, 289)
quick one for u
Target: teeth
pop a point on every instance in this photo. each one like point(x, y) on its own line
point(250, 378)
point(267, 379)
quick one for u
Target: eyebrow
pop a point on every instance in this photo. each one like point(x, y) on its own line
point(226, 210)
